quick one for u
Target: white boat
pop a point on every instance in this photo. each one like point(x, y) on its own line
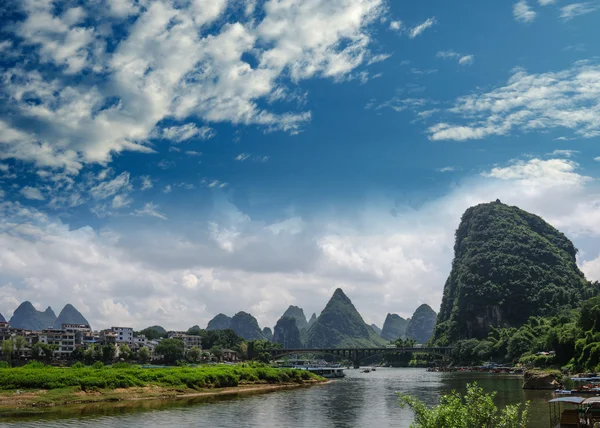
point(324, 371)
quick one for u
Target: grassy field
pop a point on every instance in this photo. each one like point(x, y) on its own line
point(37, 385)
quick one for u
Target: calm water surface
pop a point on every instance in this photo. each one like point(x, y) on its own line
point(359, 400)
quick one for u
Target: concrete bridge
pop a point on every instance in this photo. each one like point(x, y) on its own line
point(356, 355)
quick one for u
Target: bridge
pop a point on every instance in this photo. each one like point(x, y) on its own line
point(356, 355)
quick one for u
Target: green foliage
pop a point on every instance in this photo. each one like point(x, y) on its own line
point(225, 339)
point(127, 376)
point(473, 410)
point(98, 365)
point(144, 354)
point(7, 349)
point(193, 355)
point(171, 350)
point(78, 365)
point(246, 326)
point(152, 333)
point(509, 265)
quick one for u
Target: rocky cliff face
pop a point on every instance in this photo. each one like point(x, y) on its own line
point(340, 325)
point(268, 333)
point(421, 325)
point(246, 326)
point(298, 314)
point(376, 329)
point(508, 265)
point(2, 318)
point(394, 327)
point(286, 333)
point(69, 315)
point(312, 320)
point(27, 317)
point(220, 322)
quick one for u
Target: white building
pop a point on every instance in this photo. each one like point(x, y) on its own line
point(189, 341)
point(64, 340)
point(123, 335)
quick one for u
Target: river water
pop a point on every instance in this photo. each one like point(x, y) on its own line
point(359, 400)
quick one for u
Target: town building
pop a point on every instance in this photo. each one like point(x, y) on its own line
point(189, 341)
point(64, 340)
point(123, 335)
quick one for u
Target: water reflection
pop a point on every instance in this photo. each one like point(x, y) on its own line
point(360, 399)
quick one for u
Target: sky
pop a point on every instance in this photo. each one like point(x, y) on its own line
point(163, 161)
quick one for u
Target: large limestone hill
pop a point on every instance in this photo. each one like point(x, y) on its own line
point(394, 327)
point(298, 314)
point(421, 325)
point(246, 326)
point(508, 266)
point(340, 325)
point(287, 334)
point(69, 315)
point(27, 317)
point(219, 322)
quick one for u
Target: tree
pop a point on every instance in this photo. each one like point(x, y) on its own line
point(171, 350)
point(193, 355)
point(7, 349)
point(473, 410)
point(20, 343)
point(144, 354)
point(125, 351)
point(108, 352)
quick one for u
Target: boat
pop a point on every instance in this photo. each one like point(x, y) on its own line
point(367, 370)
point(373, 369)
point(328, 372)
point(572, 411)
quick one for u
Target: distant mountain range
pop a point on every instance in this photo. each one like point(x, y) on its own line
point(29, 318)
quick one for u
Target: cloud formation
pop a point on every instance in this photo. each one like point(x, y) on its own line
point(193, 62)
point(387, 257)
point(523, 12)
point(419, 29)
point(568, 100)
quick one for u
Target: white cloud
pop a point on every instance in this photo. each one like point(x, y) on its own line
point(419, 29)
point(466, 60)
point(167, 189)
point(150, 209)
point(395, 25)
point(597, 159)
point(577, 9)
point(568, 99)
point(523, 12)
point(242, 157)
point(462, 59)
point(240, 263)
point(564, 153)
point(546, 2)
point(173, 60)
point(186, 132)
point(146, 182)
point(110, 188)
point(447, 169)
point(32, 193)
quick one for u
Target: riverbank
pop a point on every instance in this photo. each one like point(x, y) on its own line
point(42, 386)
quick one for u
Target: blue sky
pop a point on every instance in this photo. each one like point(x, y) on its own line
point(163, 161)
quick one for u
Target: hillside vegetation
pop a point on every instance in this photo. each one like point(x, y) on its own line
point(509, 265)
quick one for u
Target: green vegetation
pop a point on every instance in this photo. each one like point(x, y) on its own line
point(38, 376)
point(340, 325)
point(171, 350)
point(219, 322)
point(394, 327)
point(68, 384)
point(298, 314)
point(421, 325)
point(153, 332)
point(473, 410)
point(246, 326)
point(509, 265)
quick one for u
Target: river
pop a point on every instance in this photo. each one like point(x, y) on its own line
point(359, 400)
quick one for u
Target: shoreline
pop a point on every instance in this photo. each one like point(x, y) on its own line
point(47, 400)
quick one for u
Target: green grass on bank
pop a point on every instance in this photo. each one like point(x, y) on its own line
point(37, 376)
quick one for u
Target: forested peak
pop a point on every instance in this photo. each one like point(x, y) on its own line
point(495, 217)
point(339, 295)
point(219, 322)
point(509, 265)
point(394, 327)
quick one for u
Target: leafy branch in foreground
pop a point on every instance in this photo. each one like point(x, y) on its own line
point(473, 410)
